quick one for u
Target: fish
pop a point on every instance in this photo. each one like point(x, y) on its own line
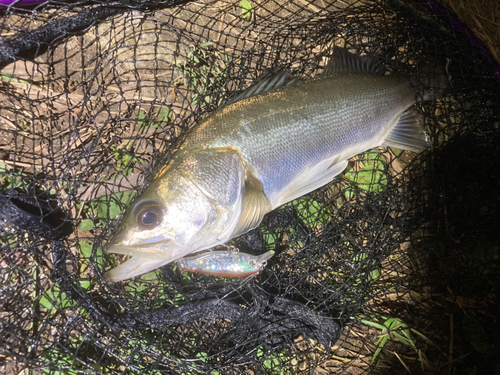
point(281, 139)
point(225, 263)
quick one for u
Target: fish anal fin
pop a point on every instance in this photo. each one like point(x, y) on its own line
point(255, 205)
point(318, 176)
point(345, 62)
point(408, 134)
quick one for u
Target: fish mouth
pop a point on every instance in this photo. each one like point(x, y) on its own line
point(158, 250)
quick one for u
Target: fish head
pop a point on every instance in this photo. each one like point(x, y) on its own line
point(189, 208)
point(166, 221)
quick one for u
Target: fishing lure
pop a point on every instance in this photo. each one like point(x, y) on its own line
point(225, 263)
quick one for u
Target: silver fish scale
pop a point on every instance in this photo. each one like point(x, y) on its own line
point(285, 133)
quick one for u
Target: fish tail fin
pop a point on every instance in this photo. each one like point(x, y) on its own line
point(408, 134)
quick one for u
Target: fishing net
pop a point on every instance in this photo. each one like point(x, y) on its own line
point(392, 267)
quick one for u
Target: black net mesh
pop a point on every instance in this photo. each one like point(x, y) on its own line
point(391, 267)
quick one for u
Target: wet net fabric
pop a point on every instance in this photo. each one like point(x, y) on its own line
point(391, 267)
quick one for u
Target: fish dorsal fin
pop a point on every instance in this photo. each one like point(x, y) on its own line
point(255, 206)
point(268, 82)
point(345, 62)
point(408, 133)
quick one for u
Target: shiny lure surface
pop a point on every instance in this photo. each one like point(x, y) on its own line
point(225, 263)
point(281, 139)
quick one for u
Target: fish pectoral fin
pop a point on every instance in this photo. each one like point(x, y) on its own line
point(134, 266)
point(345, 62)
point(408, 134)
point(255, 205)
point(318, 176)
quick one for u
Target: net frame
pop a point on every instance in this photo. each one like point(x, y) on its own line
point(65, 318)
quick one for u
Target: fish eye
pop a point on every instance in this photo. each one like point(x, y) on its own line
point(252, 262)
point(148, 214)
